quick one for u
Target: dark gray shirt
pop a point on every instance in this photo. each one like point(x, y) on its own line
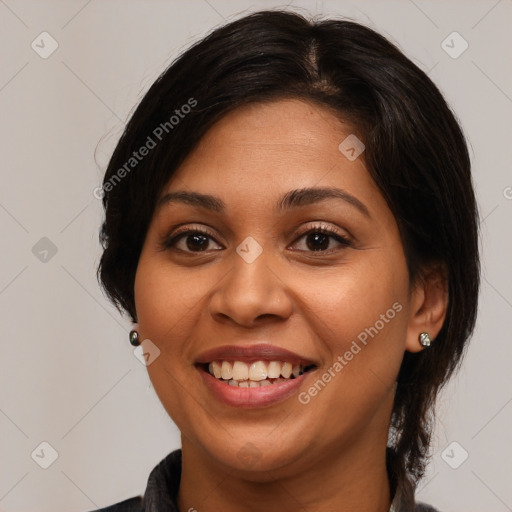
point(164, 482)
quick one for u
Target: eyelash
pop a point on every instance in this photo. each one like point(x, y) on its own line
point(169, 241)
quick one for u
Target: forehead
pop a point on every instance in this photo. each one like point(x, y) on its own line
point(264, 149)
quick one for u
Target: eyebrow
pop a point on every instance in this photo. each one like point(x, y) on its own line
point(292, 199)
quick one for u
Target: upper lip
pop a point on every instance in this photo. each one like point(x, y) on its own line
point(250, 353)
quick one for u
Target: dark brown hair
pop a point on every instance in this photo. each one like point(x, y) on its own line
point(415, 152)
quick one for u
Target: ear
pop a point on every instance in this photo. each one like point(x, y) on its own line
point(429, 302)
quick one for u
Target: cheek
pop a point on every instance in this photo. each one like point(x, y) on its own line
point(166, 303)
point(353, 299)
point(166, 297)
point(360, 317)
point(360, 320)
point(153, 299)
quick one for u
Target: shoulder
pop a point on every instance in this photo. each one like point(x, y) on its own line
point(129, 505)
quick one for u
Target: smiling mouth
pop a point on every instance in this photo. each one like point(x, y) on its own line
point(256, 374)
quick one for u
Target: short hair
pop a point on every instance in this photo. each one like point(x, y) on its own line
point(415, 152)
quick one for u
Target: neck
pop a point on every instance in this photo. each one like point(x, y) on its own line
point(348, 479)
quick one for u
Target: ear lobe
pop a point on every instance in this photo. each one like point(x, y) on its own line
point(429, 303)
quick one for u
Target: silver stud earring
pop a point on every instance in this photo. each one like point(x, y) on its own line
point(425, 339)
point(134, 338)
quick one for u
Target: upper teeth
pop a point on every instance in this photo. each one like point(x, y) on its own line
point(257, 371)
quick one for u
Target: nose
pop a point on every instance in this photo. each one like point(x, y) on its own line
point(251, 294)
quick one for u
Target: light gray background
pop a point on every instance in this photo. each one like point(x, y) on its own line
point(68, 375)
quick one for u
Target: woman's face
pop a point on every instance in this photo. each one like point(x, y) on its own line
point(240, 270)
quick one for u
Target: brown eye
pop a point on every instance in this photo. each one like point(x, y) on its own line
point(321, 240)
point(317, 241)
point(197, 242)
point(190, 241)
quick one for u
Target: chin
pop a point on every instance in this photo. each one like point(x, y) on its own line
point(255, 457)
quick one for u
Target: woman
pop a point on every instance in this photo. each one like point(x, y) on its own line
point(291, 226)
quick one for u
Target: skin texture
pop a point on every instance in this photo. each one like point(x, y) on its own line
point(328, 454)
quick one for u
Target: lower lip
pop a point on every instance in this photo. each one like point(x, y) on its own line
point(262, 396)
